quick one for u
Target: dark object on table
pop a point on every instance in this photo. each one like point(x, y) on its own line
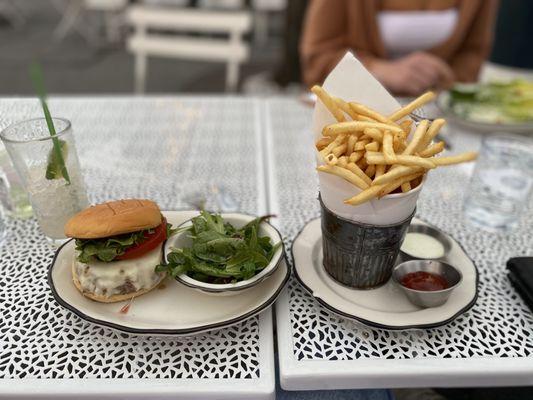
point(358, 255)
point(521, 277)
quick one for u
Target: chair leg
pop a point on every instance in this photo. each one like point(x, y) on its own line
point(141, 66)
point(114, 21)
point(232, 76)
point(261, 20)
point(70, 17)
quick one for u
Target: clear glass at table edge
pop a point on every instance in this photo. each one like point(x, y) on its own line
point(501, 184)
point(13, 197)
point(54, 201)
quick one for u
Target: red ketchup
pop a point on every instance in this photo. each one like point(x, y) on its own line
point(424, 281)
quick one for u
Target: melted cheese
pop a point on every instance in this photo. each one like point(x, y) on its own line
point(107, 279)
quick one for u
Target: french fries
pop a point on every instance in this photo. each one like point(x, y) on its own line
point(375, 157)
point(331, 159)
point(356, 126)
point(406, 126)
point(373, 133)
point(395, 173)
point(356, 156)
point(432, 131)
point(339, 150)
point(460, 158)
point(364, 196)
point(330, 104)
point(361, 145)
point(380, 170)
point(404, 180)
point(329, 148)
point(368, 112)
point(429, 151)
point(359, 172)
point(388, 149)
point(323, 143)
point(345, 174)
point(374, 146)
point(419, 134)
point(374, 152)
point(352, 140)
point(406, 186)
point(370, 170)
point(344, 107)
point(342, 161)
point(409, 108)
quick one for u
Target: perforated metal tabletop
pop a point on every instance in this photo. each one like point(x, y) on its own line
point(166, 148)
point(491, 345)
point(162, 148)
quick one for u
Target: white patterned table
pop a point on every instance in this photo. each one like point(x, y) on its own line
point(163, 148)
point(491, 345)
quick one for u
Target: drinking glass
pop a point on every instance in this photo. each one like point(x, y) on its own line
point(501, 183)
point(53, 198)
point(13, 197)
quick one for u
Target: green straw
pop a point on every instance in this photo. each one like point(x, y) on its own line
point(38, 82)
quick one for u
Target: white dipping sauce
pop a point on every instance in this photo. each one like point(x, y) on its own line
point(421, 245)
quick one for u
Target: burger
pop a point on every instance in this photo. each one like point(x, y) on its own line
point(118, 246)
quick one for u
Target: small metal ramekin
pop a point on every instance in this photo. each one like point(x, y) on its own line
point(427, 299)
point(430, 231)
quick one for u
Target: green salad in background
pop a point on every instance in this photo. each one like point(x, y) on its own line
point(497, 103)
point(221, 253)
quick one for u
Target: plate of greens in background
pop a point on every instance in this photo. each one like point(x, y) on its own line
point(490, 107)
point(224, 254)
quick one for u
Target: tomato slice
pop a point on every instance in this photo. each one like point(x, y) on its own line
point(152, 240)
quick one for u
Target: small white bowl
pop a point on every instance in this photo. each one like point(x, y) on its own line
point(182, 240)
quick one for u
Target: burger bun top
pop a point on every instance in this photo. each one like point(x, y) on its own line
point(113, 218)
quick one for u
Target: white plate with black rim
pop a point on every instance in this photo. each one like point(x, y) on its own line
point(385, 307)
point(174, 310)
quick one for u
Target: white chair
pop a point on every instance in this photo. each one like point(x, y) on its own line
point(144, 42)
point(262, 12)
point(74, 18)
point(113, 18)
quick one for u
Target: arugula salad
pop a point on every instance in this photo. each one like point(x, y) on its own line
point(221, 253)
point(498, 103)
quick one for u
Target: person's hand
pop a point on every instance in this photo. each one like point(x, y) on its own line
point(413, 74)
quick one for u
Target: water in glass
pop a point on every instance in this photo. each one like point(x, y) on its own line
point(54, 199)
point(501, 183)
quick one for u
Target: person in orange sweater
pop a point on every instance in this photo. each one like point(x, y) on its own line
point(410, 46)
